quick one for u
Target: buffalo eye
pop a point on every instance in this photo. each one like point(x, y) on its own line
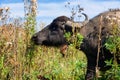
point(53, 28)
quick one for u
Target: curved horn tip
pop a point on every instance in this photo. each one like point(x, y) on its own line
point(86, 16)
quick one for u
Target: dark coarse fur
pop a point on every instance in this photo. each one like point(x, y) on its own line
point(90, 42)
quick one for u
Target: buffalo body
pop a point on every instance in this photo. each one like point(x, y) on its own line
point(53, 35)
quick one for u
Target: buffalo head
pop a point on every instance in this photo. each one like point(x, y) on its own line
point(53, 34)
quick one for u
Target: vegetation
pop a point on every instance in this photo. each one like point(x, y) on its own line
point(23, 61)
point(20, 59)
point(113, 44)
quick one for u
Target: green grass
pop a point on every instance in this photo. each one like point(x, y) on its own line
point(22, 60)
point(50, 63)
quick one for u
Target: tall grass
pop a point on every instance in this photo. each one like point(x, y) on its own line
point(113, 44)
point(20, 59)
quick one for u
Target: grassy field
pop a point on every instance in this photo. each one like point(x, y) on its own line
point(22, 60)
point(56, 67)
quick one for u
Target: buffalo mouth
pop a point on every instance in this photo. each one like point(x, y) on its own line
point(46, 42)
point(35, 40)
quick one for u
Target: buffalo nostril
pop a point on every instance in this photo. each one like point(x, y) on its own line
point(34, 37)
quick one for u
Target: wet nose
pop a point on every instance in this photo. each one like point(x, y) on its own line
point(34, 38)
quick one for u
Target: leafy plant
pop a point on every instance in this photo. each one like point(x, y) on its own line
point(75, 39)
point(113, 45)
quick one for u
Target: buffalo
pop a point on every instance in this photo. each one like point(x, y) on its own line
point(53, 35)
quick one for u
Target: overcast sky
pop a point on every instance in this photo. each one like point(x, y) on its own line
point(50, 9)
